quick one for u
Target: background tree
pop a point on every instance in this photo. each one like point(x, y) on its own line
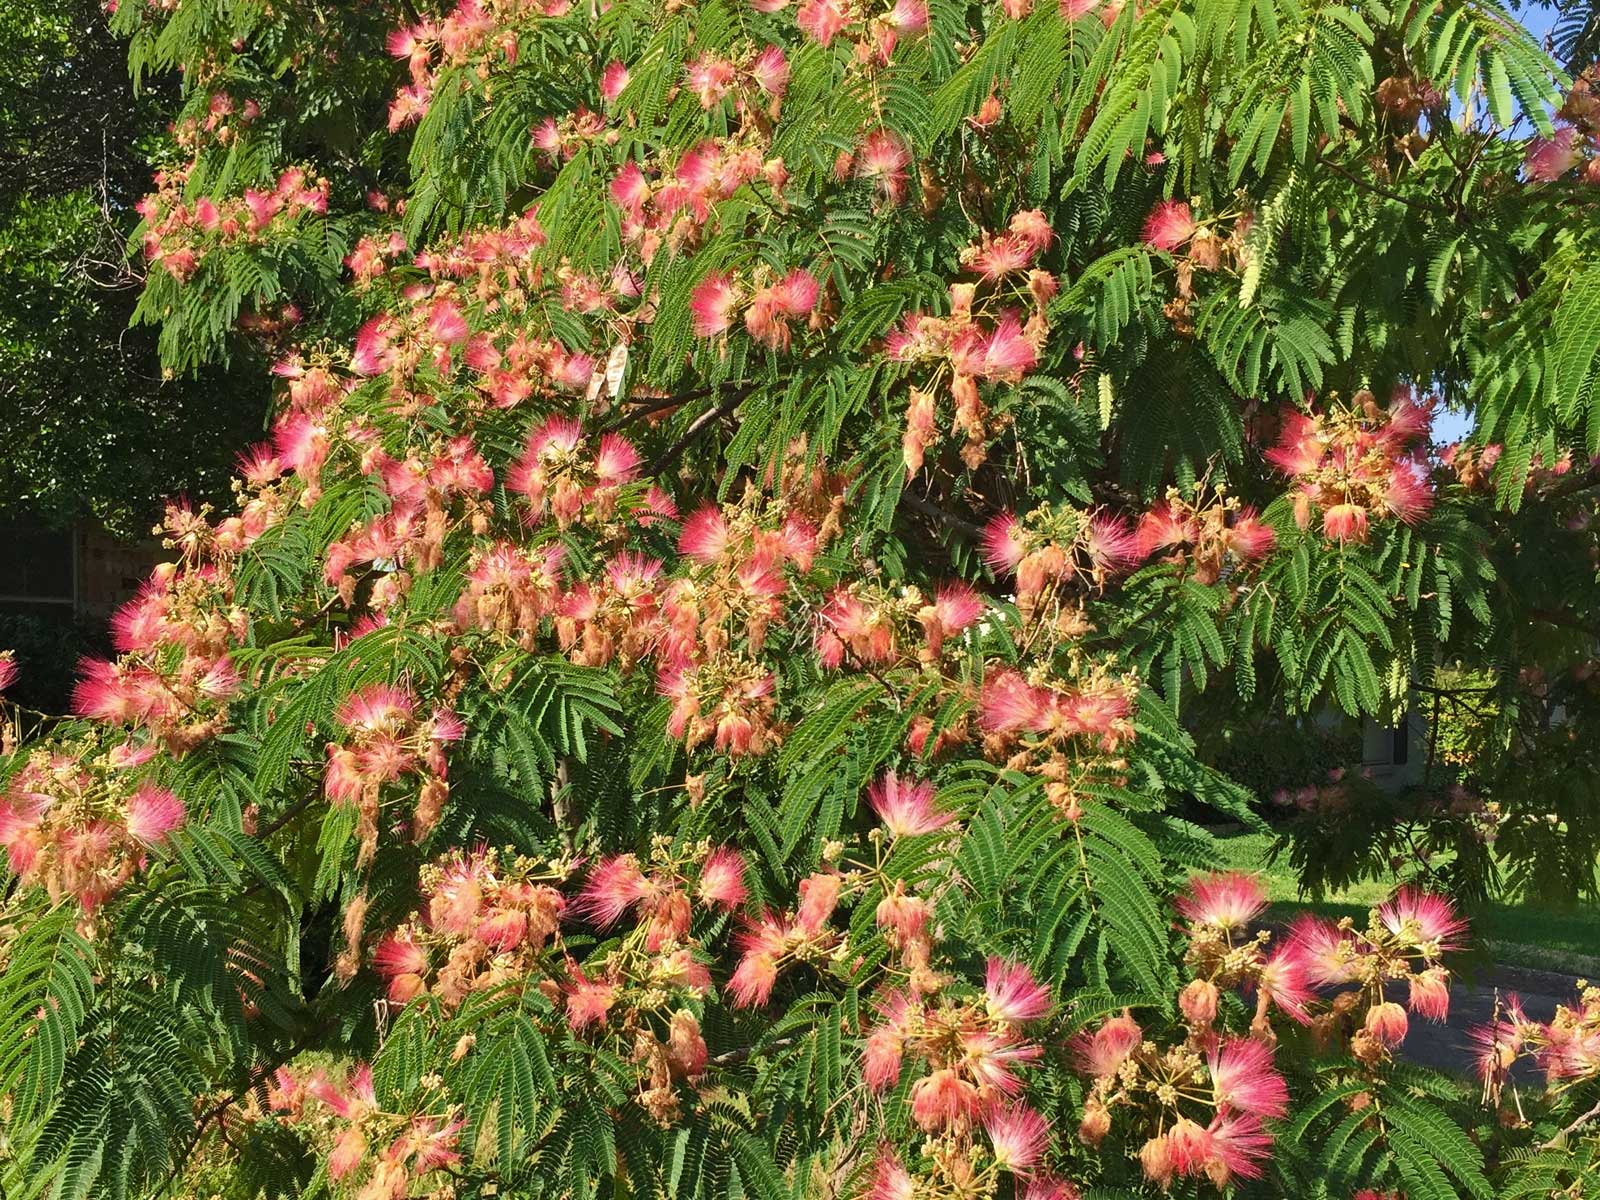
point(90, 425)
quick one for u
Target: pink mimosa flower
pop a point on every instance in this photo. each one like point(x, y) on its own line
point(153, 813)
point(1013, 994)
point(1244, 1079)
point(722, 878)
point(906, 807)
point(1018, 1136)
point(1169, 225)
point(1225, 900)
point(1423, 919)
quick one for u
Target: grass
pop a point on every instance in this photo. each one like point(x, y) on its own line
point(1515, 934)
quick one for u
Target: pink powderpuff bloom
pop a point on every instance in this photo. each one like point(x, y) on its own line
point(881, 1058)
point(1387, 1022)
point(373, 353)
point(1100, 1053)
point(1301, 446)
point(348, 1150)
point(1408, 495)
point(722, 878)
point(883, 160)
point(260, 465)
point(1225, 900)
point(302, 444)
point(1423, 919)
point(1003, 542)
point(1013, 994)
point(630, 189)
point(770, 70)
point(957, 606)
point(1345, 523)
point(1238, 1146)
point(1430, 994)
point(942, 1099)
point(404, 964)
point(1249, 537)
point(906, 808)
point(1009, 704)
point(1007, 353)
point(1110, 542)
point(1548, 159)
point(375, 707)
point(1189, 1147)
point(617, 461)
point(153, 813)
point(1244, 1079)
point(1160, 528)
point(890, 1179)
point(446, 324)
point(1283, 981)
point(704, 537)
point(1498, 1044)
point(1327, 955)
point(1169, 225)
point(712, 304)
point(820, 20)
point(1018, 1136)
point(588, 1000)
point(819, 896)
point(908, 16)
point(614, 886)
point(612, 80)
point(753, 979)
point(797, 292)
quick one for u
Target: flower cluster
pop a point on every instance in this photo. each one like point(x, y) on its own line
point(775, 940)
point(671, 206)
point(874, 34)
point(1201, 1109)
point(1051, 547)
point(177, 236)
point(652, 975)
point(1207, 536)
point(378, 1155)
point(225, 117)
point(386, 742)
point(1566, 1047)
point(984, 339)
point(1573, 149)
point(1402, 946)
point(761, 75)
point(481, 34)
point(768, 309)
point(868, 624)
point(485, 920)
point(562, 474)
point(80, 827)
point(1358, 464)
point(173, 677)
point(1070, 732)
point(969, 1052)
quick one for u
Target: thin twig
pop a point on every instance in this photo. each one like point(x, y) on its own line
point(1590, 1115)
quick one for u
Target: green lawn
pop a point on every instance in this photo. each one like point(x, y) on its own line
point(1521, 935)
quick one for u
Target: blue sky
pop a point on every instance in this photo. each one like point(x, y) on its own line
point(1540, 19)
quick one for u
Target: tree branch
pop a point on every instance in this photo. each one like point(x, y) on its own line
point(929, 509)
point(700, 424)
